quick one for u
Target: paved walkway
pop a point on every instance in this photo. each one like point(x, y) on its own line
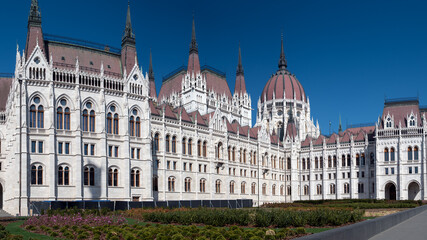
point(412, 229)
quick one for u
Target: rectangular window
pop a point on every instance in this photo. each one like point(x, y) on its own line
point(392, 170)
point(40, 147)
point(138, 153)
point(116, 151)
point(67, 148)
point(410, 170)
point(92, 149)
point(185, 167)
point(59, 147)
point(335, 176)
point(168, 164)
point(316, 176)
point(343, 175)
point(200, 167)
point(329, 176)
point(363, 174)
point(110, 151)
point(206, 166)
point(174, 165)
point(416, 169)
point(321, 177)
point(132, 153)
point(348, 175)
point(357, 174)
point(191, 167)
point(33, 146)
point(86, 149)
point(386, 171)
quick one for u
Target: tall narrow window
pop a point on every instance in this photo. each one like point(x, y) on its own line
point(174, 144)
point(59, 118)
point(109, 123)
point(218, 186)
point(92, 121)
point(113, 175)
point(243, 188)
point(232, 187)
point(357, 160)
point(116, 123)
point(171, 184)
point(156, 142)
point(132, 126)
point(253, 188)
point(409, 153)
point(37, 175)
point(415, 153)
point(184, 145)
point(135, 124)
point(40, 117)
point(89, 176)
point(135, 178)
point(190, 147)
point(343, 160)
point(187, 185)
point(264, 189)
point(202, 185)
point(67, 119)
point(205, 145)
point(63, 175)
point(167, 143)
point(199, 148)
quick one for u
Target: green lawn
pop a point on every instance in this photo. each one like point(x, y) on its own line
point(14, 228)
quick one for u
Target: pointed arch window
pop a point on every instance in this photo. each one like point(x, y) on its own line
point(135, 178)
point(409, 153)
point(389, 122)
point(184, 145)
point(63, 175)
point(135, 124)
point(174, 144)
point(37, 174)
point(36, 113)
point(202, 185)
point(88, 119)
point(167, 143)
point(412, 121)
point(205, 146)
point(190, 147)
point(113, 177)
point(187, 184)
point(232, 187)
point(171, 184)
point(156, 142)
point(243, 188)
point(89, 176)
point(116, 123)
point(386, 155)
point(199, 148)
point(253, 188)
point(415, 153)
point(218, 186)
point(109, 123)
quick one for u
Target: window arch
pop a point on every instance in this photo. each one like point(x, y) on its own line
point(282, 190)
point(319, 189)
point(184, 145)
point(343, 160)
point(63, 115)
point(167, 143)
point(306, 190)
point(89, 176)
point(156, 142)
point(112, 120)
point(264, 189)
point(289, 190)
point(386, 155)
point(253, 188)
point(409, 153)
point(88, 118)
point(218, 186)
point(63, 175)
point(412, 121)
point(415, 153)
point(357, 159)
point(36, 113)
point(346, 188)
point(135, 177)
point(37, 174)
point(187, 184)
point(329, 162)
point(232, 184)
point(174, 144)
point(199, 148)
point(190, 147)
point(332, 188)
point(135, 123)
point(113, 177)
point(243, 187)
point(348, 160)
point(202, 185)
point(273, 190)
point(171, 184)
point(205, 145)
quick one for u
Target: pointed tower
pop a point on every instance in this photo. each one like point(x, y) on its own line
point(193, 59)
point(283, 64)
point(291, 130)
point(153, 92)
point(128, 53)
point(35, 33)
point(240, 87)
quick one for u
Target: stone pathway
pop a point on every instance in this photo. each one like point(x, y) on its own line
point(415, 228)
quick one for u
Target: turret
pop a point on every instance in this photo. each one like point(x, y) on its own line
point(152, 91)
point(240, 87)
point(128, 53)
point(193, 59)
point(35, 33)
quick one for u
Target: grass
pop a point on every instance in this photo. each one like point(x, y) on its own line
point(317, 230)
point(14, 228)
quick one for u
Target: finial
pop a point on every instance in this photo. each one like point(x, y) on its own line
point(35, 16)
point(282, 61)
point(239, 65)
point(193, 44)
point(128, 34)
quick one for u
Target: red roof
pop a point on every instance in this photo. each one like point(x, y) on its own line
point(171, 85)
point(283, 81)
point(5, 84)
point(291, 130)
point(400, 111)
point(306, 142)
point(152, 90)
point(240, 87)
point(153, 108)
point(216, 83)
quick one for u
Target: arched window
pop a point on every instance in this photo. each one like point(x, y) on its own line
point(308, 163)
point(199, 148)
point(348, 160)
point(218, 186)
point(63, 175)
point(335, 161)
point(36, 113)
point(415, 153)
point(88, 119)
point(332, 188)
point(113, 177)
point(135, 123)
point(388, 122)
point(156, 142)
point(85, 120)
point(346, 188)
point(171, 184)
point(412, 121)
point(232, 187)
point(254, 156)
point(253, 188)
point(282, 190)
point(386, 155)
point(289, 190)
point(187, 184)
point(37, 174)
point(303, 163)
point(243, 187)
point(174, 144)
point(89, 176)
point(229, 153)
point(190, 147)
point(109, 123)
point(205, 145)
point(63, 115)
point(59, 118)
point(234, 154)
point(329, 162)
point(289, 164)
point(167, 143)
point(319, 189)
point(92, 121)
point(202, 185)
point(321, 162)
point(244, 156)
point(362, 159)
point(273, 190)
point(135, 178)
point(264, 189)
point(316, 163)
point(306, 190)
point(184, 145)
point(67, 118)
point(116, 124)
point(219, 150)
point(357, 160)
point(112, 120)
point(409, 153)
point(343, 160)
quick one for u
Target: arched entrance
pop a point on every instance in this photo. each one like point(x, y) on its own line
point(390, 191)
point(414, 191)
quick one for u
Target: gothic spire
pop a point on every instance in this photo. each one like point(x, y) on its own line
point(282, 61)
point(239, 65)
point(150, 69)
point(35, 17)
point(193, 45)
point(128, 36)
point(340, 126)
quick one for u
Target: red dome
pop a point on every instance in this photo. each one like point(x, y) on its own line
point(283, 82)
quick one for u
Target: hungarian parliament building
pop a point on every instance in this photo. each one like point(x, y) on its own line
point(82, 121)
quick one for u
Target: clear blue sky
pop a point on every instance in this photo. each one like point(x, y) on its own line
point(348, 55)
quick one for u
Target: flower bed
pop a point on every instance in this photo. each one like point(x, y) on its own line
point(348, 203)
point(249, 217)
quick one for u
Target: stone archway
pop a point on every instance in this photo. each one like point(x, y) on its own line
point(414, 191)
point(390, 191)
